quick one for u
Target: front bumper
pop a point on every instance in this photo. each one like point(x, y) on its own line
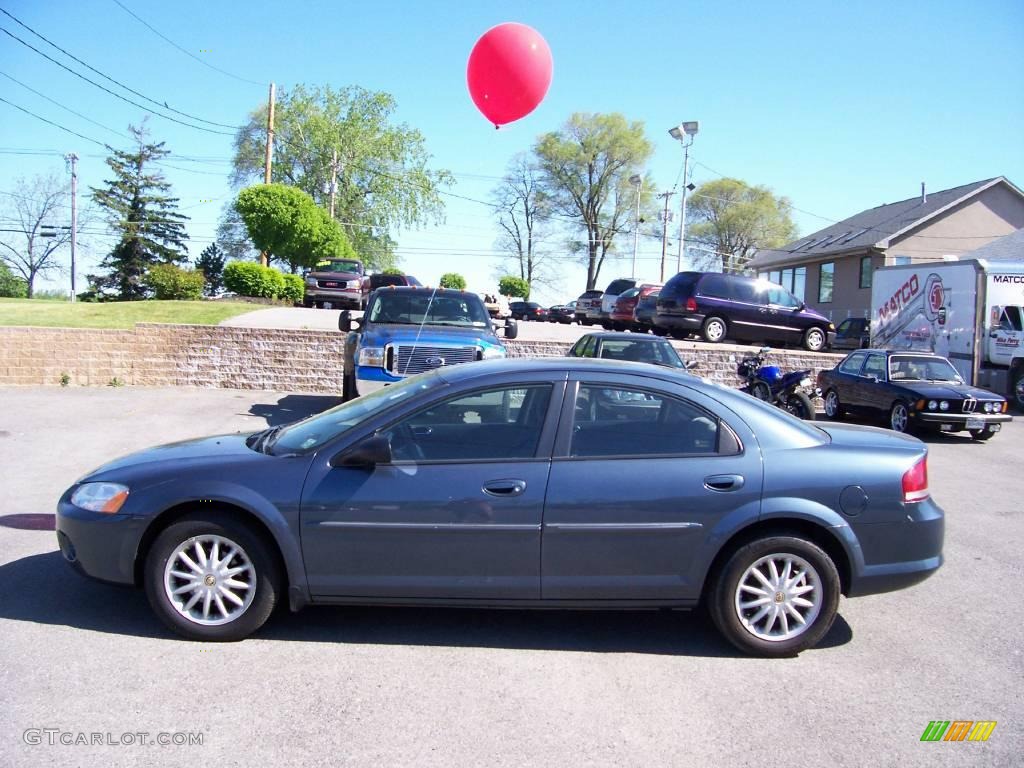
point(345, 296)
point(99, 545)
point(956, 422)
point(369, 379)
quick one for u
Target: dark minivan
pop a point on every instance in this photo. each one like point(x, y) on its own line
point(720, 306)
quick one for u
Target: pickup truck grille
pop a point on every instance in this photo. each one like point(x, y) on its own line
point(408, 360)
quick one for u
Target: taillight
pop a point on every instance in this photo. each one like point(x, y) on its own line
point(915, 482)
point(691, 305)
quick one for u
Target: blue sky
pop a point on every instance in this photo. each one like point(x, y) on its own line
point(838, 107)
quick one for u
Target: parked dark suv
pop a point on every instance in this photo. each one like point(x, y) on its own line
point(720, 306)
point(528, 310)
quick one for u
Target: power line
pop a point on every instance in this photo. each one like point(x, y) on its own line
point(66, 109)
point(183, 50)
point(50, 122)
point(107, 90)
point(109, 78)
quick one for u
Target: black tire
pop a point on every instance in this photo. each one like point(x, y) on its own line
point(348, 387)
point(620, 327)
point(833, 406)
point(800, 405)
point(899, 417)
point(262, 567)
point(714, 330)
point(307, 304)
point(657, 330)
point(678, 334)
point(1017, 387)
point(738, 625)
point(761, 391)
point(981, 434)
point(815, 340)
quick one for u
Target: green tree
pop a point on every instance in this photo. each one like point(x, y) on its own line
point(393, 271)
point(286, 223)
point(211, 262)
point(347, 135)
point(585, 169)
point(139, 208)
point(514, 287)
point(11, 286)
point(734, 220)
point(453, 280)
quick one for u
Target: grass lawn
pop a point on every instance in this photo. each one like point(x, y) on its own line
point(120, 314)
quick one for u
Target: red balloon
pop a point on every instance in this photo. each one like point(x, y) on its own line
point(509, 72)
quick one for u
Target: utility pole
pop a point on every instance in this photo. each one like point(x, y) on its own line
point(73, 159)
point(334, 178)
point(664, 234)
point(268, 159)
point(682, 212)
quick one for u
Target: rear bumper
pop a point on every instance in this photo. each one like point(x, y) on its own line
point(688, 322)
point(899, 554)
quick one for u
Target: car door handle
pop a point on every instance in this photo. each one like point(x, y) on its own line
point(723, 483)
point(421, 431)
point(504, 487)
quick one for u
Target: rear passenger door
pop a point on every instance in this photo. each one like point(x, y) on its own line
point(643, 472)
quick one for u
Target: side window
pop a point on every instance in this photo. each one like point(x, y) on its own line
point(589, 346)
point(619, 421)
point(715, 286)
point(745, 291)
point(1011, 319)
point(503, 423)
point(852, 364)
point(875, 366)
point(782, 298)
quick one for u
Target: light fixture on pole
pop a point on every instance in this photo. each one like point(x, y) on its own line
point(680, 133)
point(637, 181)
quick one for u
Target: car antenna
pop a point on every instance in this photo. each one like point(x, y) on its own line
point(423, 320)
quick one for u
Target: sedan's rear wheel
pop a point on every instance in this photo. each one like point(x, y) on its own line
point(775, 596)
point(210, 578)
point(833, 408)
point(899, 418)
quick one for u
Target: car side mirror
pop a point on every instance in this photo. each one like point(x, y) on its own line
point(691, 364)
point(511, 329)
point(801, 307)
point(368, 452)
point(346, 323)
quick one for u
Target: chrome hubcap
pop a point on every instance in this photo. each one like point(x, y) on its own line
point(209, 580)
point(778, 597)
point(899, 418)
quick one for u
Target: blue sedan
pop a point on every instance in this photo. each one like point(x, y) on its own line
point(568, 483)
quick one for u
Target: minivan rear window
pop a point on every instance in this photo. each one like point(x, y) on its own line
point(681, 285)
point(620, 285)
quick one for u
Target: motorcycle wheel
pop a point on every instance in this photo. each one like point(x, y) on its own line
point(761, 392)
point(800, 405)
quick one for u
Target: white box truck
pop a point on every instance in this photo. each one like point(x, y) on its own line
point(971, 312)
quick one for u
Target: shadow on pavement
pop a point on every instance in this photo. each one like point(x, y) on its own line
point(292, 408)
point(29, 522)
point(42, 589)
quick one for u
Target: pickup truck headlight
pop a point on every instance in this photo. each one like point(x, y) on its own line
point(100, 497)
point(311, 281)
point(492, 353)
point(371, 356)
point(353, 284)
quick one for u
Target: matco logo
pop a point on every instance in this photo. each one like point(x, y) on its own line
point(903, 296)
point(935, 296)
point(958, 730)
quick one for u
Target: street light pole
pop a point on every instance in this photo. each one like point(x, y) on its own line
point(637, 181)
point(73, 159)
point(681, 132)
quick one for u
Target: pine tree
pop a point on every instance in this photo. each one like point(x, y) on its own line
point(211, 262)
point(139, 207)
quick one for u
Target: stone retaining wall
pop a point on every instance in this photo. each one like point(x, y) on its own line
point(252, 358)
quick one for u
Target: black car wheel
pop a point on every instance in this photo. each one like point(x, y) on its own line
point(657, 330)
point(800, 405)
point(776, 596)
point(714, 330)
point(209, 577)
point(899, 417)
point(348, 387)
point(814, 340)
point(833, 408)
point(981, 434)
point(1017, 390)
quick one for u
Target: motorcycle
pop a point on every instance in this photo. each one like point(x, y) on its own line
point(790, 391)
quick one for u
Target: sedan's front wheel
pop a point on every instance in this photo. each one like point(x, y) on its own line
point(775, 596)
point(210, 578)
point(899, 418)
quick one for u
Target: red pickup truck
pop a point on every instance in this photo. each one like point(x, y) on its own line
point(337, 282)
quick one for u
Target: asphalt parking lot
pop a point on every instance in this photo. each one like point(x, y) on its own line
point(376, 686)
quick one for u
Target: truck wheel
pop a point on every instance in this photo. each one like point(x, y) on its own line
point(1017, 390)
point(348, 388)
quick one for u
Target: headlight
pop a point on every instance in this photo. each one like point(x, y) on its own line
point(353, 284)
point(371, 356)
point(932, 405)
point(831, 326)
point(311, 281)
point(492, 353)
point(100, 497)
point(943, 406)
point(805, 382)
point(988, 407)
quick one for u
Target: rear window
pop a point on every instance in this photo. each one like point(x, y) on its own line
point(620, 285)
point(592, 295)
point(681, 285)
point(377, 281)
point(629, 294)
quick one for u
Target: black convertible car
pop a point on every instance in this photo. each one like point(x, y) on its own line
point(912, 390)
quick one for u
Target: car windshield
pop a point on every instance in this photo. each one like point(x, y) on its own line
point(921, 368)
point(655, 352)
point(408, 308)
point(338, 266)
point(309, 434)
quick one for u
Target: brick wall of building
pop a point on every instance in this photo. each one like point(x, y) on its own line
point(252, 358)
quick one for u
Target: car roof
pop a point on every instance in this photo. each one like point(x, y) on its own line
point(891, 352)
point(623, 335)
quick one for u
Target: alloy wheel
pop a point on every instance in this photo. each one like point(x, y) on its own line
point(209, 580)
point(778, 597)
point(899, 418)
point(832, 404)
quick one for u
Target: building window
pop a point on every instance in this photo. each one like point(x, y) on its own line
point(865, 272)
point(774, 276)
point(899, 260)
point(800, 283)
point(827, 272)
